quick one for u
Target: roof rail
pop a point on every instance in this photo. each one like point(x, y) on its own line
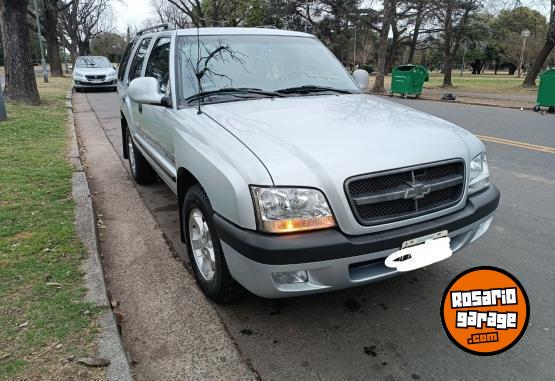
point(266, 26)
point(166, 26)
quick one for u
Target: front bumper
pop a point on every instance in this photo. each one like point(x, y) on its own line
point(334, 260)
point(84, 83)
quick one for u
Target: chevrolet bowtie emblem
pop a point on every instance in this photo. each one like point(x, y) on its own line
point(417, 191)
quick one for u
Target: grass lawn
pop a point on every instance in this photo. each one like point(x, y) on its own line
point(483, 83)
point(43, 318)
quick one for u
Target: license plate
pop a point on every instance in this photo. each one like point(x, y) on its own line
point(419, 240)
point(96, 81)
point(420, 252)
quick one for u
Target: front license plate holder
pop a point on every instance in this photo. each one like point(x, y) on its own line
point(420, 252)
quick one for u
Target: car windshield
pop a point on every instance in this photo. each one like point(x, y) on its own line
point(256, 66)
point(88, 62)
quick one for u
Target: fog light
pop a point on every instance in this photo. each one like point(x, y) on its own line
point(291, 277)
point(484, 226)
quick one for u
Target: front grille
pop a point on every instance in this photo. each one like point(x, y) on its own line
point(91, 77)
point(405, 193)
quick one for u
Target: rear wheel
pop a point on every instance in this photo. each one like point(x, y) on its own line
point(551, 110)
point(141, 171)
point(204, 248)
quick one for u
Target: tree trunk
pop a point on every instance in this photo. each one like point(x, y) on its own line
point(388, 11)
point(51, 35)
point(4, 42)
point(417, 24)
point(532, 74)
point(448, 72)
point(22, 85)
point(512, 68)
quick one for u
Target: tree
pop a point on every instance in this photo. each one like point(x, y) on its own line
point(548, 46)
point(388, 14)
point(453, 16)
point(509, 25)
point(50, 24)
point(108, 44)
point(83, 21)
point(21, 85)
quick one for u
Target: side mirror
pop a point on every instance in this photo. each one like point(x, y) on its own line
point(362, 78)
point(145, 90)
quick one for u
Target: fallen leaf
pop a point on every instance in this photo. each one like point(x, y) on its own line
point(120, 317)
point(23, 325)
point(114, 303)
point(54, 284)
point(59, 346)
point(94, 361)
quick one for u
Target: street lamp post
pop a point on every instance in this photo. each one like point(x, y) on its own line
point(525, 34)
point(42, 60)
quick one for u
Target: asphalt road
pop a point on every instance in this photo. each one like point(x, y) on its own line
point(392, 330)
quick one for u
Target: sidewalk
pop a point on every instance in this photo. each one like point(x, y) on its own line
point(486, 99)
point(169, 329)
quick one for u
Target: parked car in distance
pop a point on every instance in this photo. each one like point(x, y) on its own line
point(94, 72)
point(290, 180)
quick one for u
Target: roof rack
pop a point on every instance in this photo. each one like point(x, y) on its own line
point(266, 26)
point(166, 26)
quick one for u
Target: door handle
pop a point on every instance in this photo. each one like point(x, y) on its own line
point(140, 108)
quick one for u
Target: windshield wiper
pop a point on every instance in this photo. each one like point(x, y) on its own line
point(238, 92)
point(307, 89)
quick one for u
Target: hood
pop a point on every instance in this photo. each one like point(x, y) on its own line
point(94, 70)
point(322, 140)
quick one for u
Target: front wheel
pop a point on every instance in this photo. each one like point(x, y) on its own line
point(141, 171)
point(204, 248)
point(551, 110)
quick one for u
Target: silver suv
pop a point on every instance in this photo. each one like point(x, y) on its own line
point(290, 180)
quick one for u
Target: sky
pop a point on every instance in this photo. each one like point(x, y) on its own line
point(135, 12)
point(131, 12)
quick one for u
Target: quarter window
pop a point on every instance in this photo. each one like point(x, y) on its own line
point(158, 65)
point(137, 64)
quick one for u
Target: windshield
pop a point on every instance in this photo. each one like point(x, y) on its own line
point(264, 63)
point(84, 62)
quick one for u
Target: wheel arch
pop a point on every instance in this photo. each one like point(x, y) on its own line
point(185, 180)
point(124, 135)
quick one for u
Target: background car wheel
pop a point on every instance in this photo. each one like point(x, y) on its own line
point(141, 170)
point(77, 89)
point(204, 249)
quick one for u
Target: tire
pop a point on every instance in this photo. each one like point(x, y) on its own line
point(141, 171)
point(213, 278)
point(551, 110)
point(77, 89)
point(537, 108)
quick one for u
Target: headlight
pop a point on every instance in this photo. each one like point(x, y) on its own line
point(77, 74)
point(285, 210)
point(112, 74)
point(479, 174)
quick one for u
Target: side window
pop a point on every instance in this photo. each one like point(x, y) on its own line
point(124, 59)
point(158, 65)
point(137, 64)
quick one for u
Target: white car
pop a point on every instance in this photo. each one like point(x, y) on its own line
point(94, 72)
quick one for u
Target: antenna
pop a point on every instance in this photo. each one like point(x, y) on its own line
point(198, 72)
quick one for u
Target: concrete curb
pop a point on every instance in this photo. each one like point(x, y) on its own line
point(110, 345)
point(427, 98)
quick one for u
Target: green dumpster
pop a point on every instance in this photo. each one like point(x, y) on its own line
point(408, 80)
point(546, 91)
